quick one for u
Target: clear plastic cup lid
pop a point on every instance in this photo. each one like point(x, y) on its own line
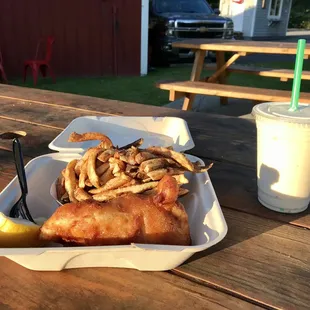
point(280, 111)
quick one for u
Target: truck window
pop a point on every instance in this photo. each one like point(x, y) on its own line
point(184, 6)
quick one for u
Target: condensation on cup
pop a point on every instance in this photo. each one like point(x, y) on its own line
point(283, 156)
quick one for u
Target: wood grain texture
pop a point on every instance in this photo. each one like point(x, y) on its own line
point(261, 47)
point(232, 91)
point(7, 167)
point(106, 288)
point(262, 259)
point(37, 139)
point(236, 188)
point(268, 72)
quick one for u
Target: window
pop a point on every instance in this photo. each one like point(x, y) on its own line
point(275, 9)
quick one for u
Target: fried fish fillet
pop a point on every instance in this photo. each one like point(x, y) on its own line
point(152, 219)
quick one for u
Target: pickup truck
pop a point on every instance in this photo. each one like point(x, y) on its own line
point(176, 20)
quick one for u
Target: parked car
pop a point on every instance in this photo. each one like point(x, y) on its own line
point(176, 20)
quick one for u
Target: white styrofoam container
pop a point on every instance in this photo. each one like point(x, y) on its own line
point(163, 131)
point(207, 225)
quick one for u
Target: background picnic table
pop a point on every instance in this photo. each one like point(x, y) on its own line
point(263, 262)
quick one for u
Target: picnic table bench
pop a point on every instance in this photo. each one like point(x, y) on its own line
point(189, 89)
point(262, 263)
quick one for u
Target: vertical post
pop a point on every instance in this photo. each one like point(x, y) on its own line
point(144, 37)
point(220, 62)
point(195, 76)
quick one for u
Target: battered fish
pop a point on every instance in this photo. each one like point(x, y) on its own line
point(153, 219)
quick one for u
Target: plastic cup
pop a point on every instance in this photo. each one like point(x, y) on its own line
point(283, 156)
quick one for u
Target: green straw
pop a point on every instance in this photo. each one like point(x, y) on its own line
point(297, 74)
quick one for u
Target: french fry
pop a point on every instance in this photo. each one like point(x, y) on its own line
point(143, 156)
point(117, 165)
point(76, 137)
point(102, 169)
point(70, 180)
point(156, 175)
point(175, 171)
point(105, 172)
point(181, 179)
point(183, 191)
point(60, 186)
point(129, 155)
point(91, 168)
point(84, 159)
point(135, 144)
point(130, 168)
point(132, 182)
point(78, 167)
point(112, 184)
point(108, 175)
point(135, 189)
point(106, 155)
point(81, 195)
point(178, 157)
point(83, 174)
point(153, 164)
point(88, 183)
point(104, 145)
point(198, 168)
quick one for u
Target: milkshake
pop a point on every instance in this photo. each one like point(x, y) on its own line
point(283, 156)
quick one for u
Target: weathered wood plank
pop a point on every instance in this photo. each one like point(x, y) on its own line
point(232, 91)
point(215, 136)
point(267, 72)
point(262, 259)
point(37, 139)
point(287, 48)
point(236, 188)
point(106, 288)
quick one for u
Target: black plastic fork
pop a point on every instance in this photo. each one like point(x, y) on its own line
point(20, 208)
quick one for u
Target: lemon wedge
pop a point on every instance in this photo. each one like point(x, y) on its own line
point(17, 233)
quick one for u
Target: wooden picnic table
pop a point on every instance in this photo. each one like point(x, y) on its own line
point(263, 262)
point(239, 48)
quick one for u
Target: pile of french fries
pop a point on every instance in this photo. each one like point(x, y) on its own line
point(106, 171)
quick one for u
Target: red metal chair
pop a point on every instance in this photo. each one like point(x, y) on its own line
point(42, 65)
point(3, 75)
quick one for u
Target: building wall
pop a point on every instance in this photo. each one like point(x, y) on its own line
point(92, 38)
point(261, 27)
point(249, 14)
point(226, 7)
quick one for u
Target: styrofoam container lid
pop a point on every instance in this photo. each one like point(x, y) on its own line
point(279, 111)
point(163, 131)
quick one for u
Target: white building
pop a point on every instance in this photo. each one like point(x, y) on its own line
point(258, 19)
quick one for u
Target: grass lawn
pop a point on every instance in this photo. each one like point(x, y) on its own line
point(143, 90)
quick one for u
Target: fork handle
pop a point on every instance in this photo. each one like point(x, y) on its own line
point(19, 164)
